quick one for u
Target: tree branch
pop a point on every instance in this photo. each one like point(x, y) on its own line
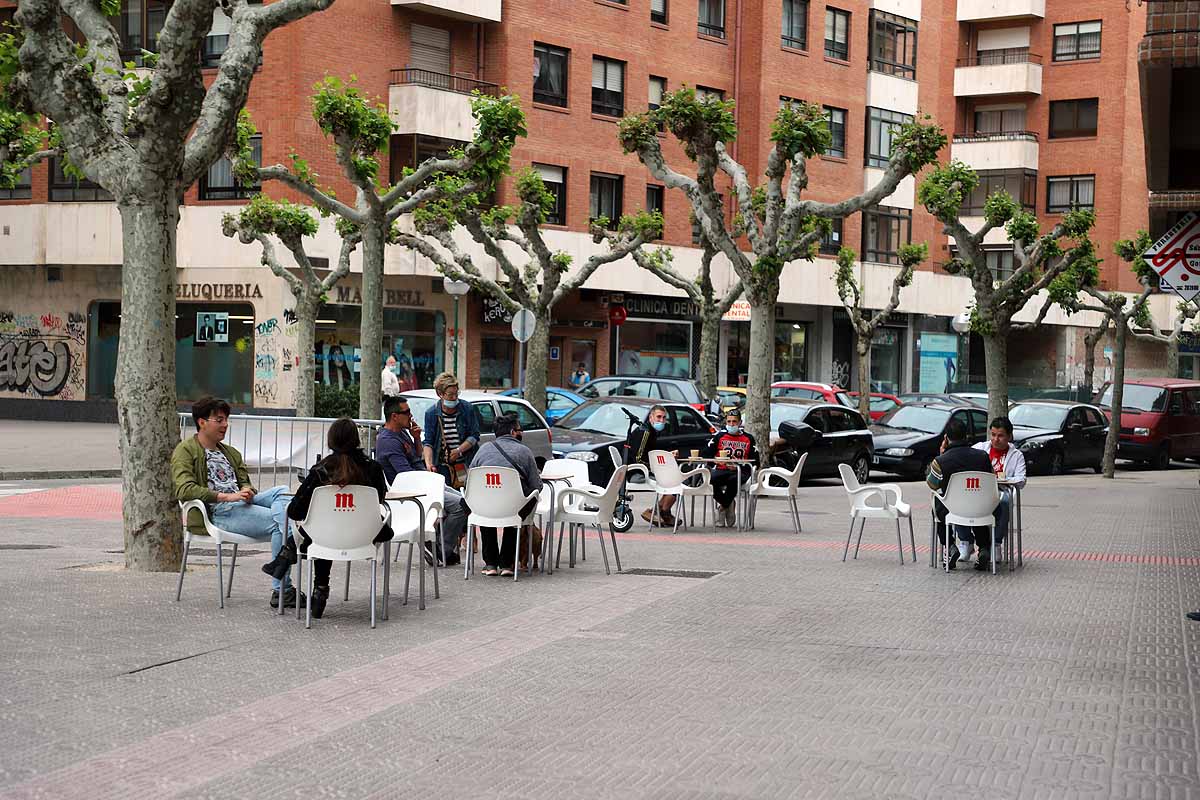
point(320, 199)
point(744, 194)
point(475, 227)
point(349, 243)
point(661, 268)
point(1026, 326)
point(458, 267)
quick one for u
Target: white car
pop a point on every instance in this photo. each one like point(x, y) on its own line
point(535, 433)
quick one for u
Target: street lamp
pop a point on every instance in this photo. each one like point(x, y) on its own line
point(962, 323)
point(456, 289)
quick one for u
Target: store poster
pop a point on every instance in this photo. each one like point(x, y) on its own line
point(939, 361)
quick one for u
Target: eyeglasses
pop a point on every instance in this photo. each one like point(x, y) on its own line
point(218, 419)
point(403, 412)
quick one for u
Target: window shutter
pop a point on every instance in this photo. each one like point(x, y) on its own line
point(430, 49)
point(548, 173)
point(221, 24)
point(597, 74)
point(616, 76)
point(656, 91)
point(658, 6)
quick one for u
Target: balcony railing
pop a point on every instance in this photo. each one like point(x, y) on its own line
point(438, 80)
point(999, 136)
point(1006, 55)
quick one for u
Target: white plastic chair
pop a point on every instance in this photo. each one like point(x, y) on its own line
point(406, 520)
point(671, 481)
point(220, 537)
point(572, 505)
point(575, 475)
point(495, 497)
point(891, 505)
point(342, 522)
point(762, 487)
point(647, 484)
point(970, 499)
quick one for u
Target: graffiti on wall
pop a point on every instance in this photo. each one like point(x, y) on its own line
point(42, 355)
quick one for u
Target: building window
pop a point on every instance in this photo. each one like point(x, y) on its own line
point(550, 75)
point(555, 179)
point(795, 24)
point(496, 360)
point(884, 230)
point(654, 198)
point(220, 183)
point(23, 189)
point(837, 34)
point(608, 87)
point(64, 189)
point(218, 37)
point(1076, 41)
point(882, 125)
point(1002, 120)
point(837, 130)
point(704, 93)
point(1000, 263)
point(605, 197)
point(410, 150)
point(138, 26)
point(1070, 191)
point(832, 241)
point(893, 46)
point(1074, 118)
point(712, 18)
point(1021, 185)
point(658, 11)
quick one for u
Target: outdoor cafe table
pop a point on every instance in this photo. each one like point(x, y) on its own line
point(743, 489)
point(1016, 522)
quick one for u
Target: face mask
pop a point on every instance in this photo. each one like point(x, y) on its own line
point(734, 429)
point(450, 403)
point(517, 435)
point(658, 426)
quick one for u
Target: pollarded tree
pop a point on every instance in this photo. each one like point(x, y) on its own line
point(258, 221)
point(544, 277)
point(1090, 340)
point(360, 130)
point(1039, 260)
point(779, 226)
point(1153, 333)
point(865, 324)
point(145, 138)
point(701, 292)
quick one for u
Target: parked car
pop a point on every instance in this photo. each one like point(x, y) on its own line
point(1160, 420)
point(803, 390)
point(535, 429)
point(979, 398)
point(879, 404)
point(731, 397)
point(676, 390)
point(559, 402)
point(587, 432)
point(908, 398)
point(909, 437)
point(1057, 435)
point(831, 434)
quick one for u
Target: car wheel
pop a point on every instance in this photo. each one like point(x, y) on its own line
point(862, 467)
point(1162, 459)
point(1056, 464)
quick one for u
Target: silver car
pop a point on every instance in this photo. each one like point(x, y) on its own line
point(535, 431)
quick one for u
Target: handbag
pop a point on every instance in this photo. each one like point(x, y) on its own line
point(455, 472)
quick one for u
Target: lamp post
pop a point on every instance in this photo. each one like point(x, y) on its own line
point(456, 289)
point(962, 326)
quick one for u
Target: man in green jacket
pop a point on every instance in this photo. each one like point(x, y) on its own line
point(204, 468)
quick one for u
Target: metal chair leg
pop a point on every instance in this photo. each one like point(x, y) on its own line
point(849, 536)
point(603, 550)
point(187, 545)
point(516, 553)
point(346, 596)
point(861, 526)
point(407, 573)
point(221, 580)
point(437, 592)
point(373, 584)
point(912, 538)
point(300, 559)
point(900, 541)
point(232, 567)
point(612, 534)
point(469, 556)
point(308, 600)
point(558, 556)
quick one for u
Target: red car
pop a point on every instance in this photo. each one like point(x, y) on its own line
point(812, 391)
point(1160, 420)
point(879, 403)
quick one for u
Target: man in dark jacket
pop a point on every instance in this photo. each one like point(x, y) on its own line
point(642, 439)
point(733, 442)
point(507, 450)
point(957, 456)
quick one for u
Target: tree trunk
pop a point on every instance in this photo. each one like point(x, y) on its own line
point(1118, 396)
point(1173, 358)
point(145, 381)
point(762, 361)
point(863, 348)
point(995, 355)
point(710, 339)
point(370, 384)
point(1089, 365)
point(537, 349)
point(306, 337)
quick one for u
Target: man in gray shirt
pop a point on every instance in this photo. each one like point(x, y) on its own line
point(507, 450)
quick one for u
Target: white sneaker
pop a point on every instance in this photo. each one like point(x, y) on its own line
point(720, 516)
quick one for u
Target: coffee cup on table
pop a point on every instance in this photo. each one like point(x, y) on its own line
point(695, 454)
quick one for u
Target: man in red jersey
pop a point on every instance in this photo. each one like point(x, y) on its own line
point(736, 443)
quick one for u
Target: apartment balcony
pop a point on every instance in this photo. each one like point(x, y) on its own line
point(469, 10)
point(988, 151)
point(434, 104)
point(987, 10)
point(1010, 71)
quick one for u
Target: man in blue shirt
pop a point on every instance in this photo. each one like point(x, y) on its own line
point(398, 449)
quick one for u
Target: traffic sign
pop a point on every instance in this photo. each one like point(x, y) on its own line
point(1176, 258)
point(523, 324)
point(617, 315)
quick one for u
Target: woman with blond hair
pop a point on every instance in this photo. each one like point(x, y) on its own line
point(451, 432)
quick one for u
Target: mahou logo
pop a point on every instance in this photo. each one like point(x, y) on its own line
point(662, 459)
point(343, 501)
point(492, 480)
point(973, 483)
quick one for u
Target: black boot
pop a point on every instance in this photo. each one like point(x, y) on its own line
point(278, 567)
point(983, 562)
point(319, 596)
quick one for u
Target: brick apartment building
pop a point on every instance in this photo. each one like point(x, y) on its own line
point(1042, 101)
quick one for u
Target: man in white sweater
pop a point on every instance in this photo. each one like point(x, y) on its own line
point(388, 381)
point(1009, 464)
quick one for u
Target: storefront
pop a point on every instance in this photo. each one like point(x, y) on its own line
point(416, 338)
point(888, 354)
point(660, 336)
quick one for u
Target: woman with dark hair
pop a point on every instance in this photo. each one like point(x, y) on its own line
point(346, 465)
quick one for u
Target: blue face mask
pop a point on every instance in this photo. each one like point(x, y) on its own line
point(734, 429)
point(450, 403)
point(658, 426)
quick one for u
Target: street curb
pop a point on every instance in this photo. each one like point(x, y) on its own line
point(69, 474)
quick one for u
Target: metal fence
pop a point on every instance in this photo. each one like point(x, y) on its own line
point(439, 80)
point(281, 449)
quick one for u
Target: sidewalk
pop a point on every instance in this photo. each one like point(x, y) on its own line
point(787, 674)
point(30, 449)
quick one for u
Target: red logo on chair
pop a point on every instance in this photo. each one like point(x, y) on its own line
point(662, 459)
point(343, 501)
point(492, 480)
point(973, 483)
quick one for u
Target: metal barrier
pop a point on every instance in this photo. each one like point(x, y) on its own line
point(281, 446)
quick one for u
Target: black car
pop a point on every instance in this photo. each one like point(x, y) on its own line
point(588, 431)
point(831, 434)
point(909, 437)
point(678, 390)
point(1057, 435)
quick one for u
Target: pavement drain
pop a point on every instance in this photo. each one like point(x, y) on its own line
point(671, 573)
point(28, 547)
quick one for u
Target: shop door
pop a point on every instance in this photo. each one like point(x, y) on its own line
point(583, 351)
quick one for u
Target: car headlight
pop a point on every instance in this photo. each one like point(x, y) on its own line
point(900, 452)
point(1141, 432)
point(584, 455)
point(1030, 444)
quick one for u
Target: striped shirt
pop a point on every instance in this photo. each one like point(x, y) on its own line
point(450, 439)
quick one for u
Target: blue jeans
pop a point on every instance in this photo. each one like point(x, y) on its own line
point(1003, 514)
point(265, 515)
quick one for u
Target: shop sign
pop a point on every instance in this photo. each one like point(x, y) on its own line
point(738, 312)
point(495, 312)
point(654, 307)
point(217, 291)
point(212, 327)
point(579, 323)
point(393, 298)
